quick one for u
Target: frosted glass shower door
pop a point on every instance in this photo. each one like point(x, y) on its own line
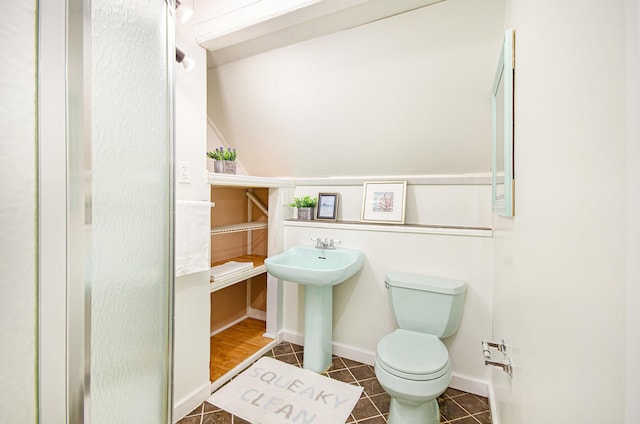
point(131, 211)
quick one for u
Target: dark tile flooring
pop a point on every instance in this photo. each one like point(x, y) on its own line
point(456, 407)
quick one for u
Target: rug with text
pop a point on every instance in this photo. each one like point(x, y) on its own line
point(273, 392)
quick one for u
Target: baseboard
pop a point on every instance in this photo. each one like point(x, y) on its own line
point(469, 385)
point(354, 353)
point(251, 313)
point(493, 404)
point(340, 349)
point(221, 381)
point(257, 314)
point(458, 381)
point(190, 402)
point(295, 338)
point(227, 326)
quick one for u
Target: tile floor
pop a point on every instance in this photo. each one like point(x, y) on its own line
point(456, 407)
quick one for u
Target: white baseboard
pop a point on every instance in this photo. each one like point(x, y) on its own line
point(469, 385)
point(495, 419)
point(295, 338)
point(241, 366)
point(354, 353)
point(231, 324)
point(251, 313)
point(458, 381)
point(340, 349)
point(190, 402)
point(257, 314)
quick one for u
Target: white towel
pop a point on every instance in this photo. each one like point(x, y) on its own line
point(193, 230)
point(228, 269)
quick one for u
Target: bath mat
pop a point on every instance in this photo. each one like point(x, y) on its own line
point(273, 392)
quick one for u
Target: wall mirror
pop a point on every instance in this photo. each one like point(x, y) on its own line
point(502, 170)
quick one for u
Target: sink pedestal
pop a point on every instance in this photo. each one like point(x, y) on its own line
point(318, 270)
point(318, 331)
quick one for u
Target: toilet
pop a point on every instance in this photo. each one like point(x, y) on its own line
point(412, 364)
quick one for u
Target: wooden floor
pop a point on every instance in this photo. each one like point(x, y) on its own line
point(232, 346)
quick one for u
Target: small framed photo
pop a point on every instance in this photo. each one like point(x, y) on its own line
point(327, 206)
point(384, 201)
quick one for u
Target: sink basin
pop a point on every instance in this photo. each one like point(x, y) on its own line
point(318, 267)
point(318, 270)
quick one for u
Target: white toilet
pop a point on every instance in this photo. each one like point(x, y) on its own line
point(412, 364)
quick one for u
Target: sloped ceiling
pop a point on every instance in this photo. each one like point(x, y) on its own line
point(406, 95)
point(258, 26)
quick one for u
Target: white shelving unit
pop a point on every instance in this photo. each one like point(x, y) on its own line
point(229, 180)
point(257, 260)
point(248, 182)
point(236, 228)
point(236, 278)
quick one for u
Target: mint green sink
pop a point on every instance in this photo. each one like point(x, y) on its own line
point(313, 266)
point(318, 270)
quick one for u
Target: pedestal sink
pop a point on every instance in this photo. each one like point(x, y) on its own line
point(318, 270)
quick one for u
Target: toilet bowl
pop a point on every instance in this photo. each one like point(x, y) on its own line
point(413, 368)
point(412, 364)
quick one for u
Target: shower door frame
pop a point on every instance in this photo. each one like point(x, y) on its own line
point(64, 209)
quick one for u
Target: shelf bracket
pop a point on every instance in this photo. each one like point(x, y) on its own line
point(258, 203)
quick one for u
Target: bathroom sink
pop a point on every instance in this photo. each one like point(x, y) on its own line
point(318, 270)
point(312, 266)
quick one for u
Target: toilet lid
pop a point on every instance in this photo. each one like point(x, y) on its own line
point(413, 355)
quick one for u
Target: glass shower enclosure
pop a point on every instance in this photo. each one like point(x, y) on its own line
point(106, 237)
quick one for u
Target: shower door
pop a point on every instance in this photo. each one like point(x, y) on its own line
point(111, 251)
point(131, 206)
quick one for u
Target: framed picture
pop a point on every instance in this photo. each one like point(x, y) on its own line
point(384, 201)
point(327, 206)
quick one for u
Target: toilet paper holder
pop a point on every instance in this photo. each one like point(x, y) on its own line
point(505, 364)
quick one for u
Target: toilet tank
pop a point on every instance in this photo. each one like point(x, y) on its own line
point(425, 303)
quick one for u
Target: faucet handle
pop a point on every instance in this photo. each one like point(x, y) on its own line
point(332, 243)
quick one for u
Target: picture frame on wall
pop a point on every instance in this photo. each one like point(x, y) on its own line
point(384, 202)
point(327, 206)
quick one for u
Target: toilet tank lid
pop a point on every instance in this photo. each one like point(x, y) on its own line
point(425, 282)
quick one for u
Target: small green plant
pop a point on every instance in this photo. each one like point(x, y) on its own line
point(304, 202)
point(221, 154)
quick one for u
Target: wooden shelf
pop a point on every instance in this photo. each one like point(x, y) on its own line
point(236, 228)
point(258, 268)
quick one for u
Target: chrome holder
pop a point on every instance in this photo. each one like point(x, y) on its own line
point(505, 364)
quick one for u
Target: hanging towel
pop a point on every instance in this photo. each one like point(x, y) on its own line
point(228, 269)
point(193, 229)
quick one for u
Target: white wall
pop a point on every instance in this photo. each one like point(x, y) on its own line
point(191, 325)
point(362, 314)
point(560, 266)
point(403, 95)
point(429, 200)
point(633, 211)
point(18, 214)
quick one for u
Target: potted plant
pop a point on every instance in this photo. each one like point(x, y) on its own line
point(305, 205)
point(224, 160)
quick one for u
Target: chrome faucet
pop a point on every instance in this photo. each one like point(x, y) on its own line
point(326, 244)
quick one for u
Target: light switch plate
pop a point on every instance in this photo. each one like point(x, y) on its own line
point(184, 172)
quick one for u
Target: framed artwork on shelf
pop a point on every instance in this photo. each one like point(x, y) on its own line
point(327, 206)
point(384, 202)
